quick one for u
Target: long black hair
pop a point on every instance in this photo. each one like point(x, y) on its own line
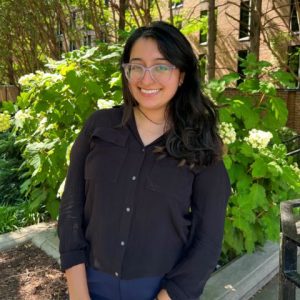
point(193, 137)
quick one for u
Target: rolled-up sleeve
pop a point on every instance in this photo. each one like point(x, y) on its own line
point(211, 190)
point(73, 246)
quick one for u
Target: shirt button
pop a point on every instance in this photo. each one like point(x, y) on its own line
point(117, 274)
point(122, 243)
point(133, 178)
point(143, 149)
point(128, 209)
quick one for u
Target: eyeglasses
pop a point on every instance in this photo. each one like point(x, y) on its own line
point(159, 73)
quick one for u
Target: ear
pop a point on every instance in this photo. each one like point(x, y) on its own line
point(181, 78)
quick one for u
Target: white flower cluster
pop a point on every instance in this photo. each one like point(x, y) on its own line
point(259, 139)
point(227, 133)
point(25, 80)
point(4, 122)
point(295, 168)
point(21, 116)
point(102, 103)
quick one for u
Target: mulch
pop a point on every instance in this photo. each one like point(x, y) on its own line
point(28, 273)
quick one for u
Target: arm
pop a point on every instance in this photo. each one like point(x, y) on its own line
point(211, 190)
point(77, 284)
point(73, 246)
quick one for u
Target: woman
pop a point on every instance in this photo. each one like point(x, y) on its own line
point(143, 209)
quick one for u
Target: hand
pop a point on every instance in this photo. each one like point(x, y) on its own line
point(163, 295)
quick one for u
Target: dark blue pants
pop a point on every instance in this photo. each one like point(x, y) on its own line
point(103, 286)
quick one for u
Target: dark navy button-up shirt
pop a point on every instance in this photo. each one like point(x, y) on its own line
point(126, 212)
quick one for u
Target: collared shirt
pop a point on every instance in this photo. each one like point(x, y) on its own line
point(127, 213)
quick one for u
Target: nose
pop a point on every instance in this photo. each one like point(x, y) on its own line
point(147, 78)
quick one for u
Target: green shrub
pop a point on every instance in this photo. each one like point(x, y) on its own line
point(10, 161)
point(261, 173)
point(51, 110)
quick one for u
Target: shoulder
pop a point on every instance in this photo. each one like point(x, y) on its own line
point(110, 117)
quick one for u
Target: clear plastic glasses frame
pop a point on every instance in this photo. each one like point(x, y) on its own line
point(136, 72)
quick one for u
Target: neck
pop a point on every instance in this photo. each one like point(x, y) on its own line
point(154, 118)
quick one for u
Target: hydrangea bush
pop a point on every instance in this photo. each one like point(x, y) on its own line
point(261, 173)
point(50, 112)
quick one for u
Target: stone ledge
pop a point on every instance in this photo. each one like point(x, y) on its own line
point(242, 278)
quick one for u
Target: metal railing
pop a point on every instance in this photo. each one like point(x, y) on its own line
point(289, 278)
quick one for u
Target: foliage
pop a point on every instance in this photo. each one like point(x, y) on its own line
point(52, 108)
point(17, 216)
point(10, 162)
point(260, 172)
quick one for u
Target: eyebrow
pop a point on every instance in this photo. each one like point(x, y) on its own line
point(139, 59)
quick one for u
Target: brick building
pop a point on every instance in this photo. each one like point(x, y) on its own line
point(279, 38)
point(279, 31)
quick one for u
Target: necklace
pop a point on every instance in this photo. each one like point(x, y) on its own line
point(156, 123)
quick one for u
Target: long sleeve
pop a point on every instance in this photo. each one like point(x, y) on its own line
point(211, 190)
point(73, 246)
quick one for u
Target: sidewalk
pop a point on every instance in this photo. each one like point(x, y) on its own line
point(240, 280)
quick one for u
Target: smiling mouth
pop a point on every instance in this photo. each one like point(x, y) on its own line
point(149, 91)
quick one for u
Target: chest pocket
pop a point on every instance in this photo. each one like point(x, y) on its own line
point(167, 178)
point(107, 154)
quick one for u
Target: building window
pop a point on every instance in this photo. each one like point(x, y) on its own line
point(176, 4)
point(242, 55)
point(245, 19)
point(72, 46)
point(293, 62)
point(73, 20)
point(203, 31)
point(87, 41)
point(60, 47)
point(294, 16)
point(59, 29)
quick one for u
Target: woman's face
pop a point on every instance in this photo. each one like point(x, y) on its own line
point(152, 91)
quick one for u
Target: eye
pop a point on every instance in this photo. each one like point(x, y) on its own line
point(162, 68)
point(136, 68)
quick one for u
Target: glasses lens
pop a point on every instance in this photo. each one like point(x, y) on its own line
point(161, 73)
point(134, 72)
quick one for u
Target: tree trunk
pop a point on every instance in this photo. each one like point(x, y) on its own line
point(211, 41)
point(122, 11)
point(255, 27)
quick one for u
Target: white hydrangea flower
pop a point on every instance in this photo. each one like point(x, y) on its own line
point(102, 103)
point(25, 80)
point(4, 122)
point(227, 133)
point(22, 115)
point(259, 139)
point(295, 168)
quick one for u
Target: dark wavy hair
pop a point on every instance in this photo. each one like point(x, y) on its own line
point(193, 137)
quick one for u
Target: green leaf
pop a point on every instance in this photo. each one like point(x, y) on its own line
point(267, 87)
point(259, 168)
point(284, 78)
point(274, 169)
point(258, 195)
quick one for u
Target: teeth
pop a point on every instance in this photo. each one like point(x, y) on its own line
point(149, 91)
